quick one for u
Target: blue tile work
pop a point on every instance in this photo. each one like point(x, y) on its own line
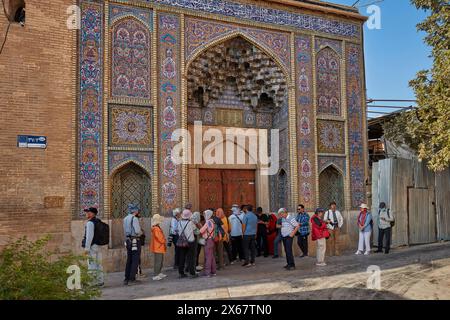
point(267, 15)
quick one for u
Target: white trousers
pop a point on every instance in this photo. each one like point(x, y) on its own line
point(321, 248)
point(364, 241)
point(94, 264)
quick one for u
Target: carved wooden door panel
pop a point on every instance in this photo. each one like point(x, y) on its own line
point(210, 189)
point(238, 188)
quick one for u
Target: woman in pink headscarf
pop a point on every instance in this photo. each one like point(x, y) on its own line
point(208, 233)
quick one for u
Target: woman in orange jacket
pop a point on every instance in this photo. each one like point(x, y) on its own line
point(158, 246)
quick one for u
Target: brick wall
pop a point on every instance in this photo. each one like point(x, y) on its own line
point(37, 97)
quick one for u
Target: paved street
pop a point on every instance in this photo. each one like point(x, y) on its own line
point(421, 272)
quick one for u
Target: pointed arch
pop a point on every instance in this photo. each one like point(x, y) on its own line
point(130, 183)
point(335, 166)
point(122, 164)
point(327, 46)
point(235, 34)
point(121, 17)
point(331, 187)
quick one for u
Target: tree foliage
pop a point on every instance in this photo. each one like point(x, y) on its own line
point(427, 129)
point(29, 272)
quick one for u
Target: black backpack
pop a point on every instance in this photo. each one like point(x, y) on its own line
point(389, 215)
point(101, 233)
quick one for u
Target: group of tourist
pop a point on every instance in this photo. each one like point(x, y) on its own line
point(240, 236)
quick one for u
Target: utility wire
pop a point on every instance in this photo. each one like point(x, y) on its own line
point(367, 4)
point(7, 29)
point(6, 37)
point(389, 100)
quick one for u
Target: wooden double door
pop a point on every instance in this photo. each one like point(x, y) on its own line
point(221, 188)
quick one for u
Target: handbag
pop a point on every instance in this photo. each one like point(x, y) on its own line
point(201, 241)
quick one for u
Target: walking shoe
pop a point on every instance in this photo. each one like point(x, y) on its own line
point(199, 268)
point(286, 266)
point(378, 251)
point(213, 274)
point(193, 276)
point(162, 275)
point(366, 253)
point(252, 264)
point(125, 282)
point(358, 253)
point(181, 276)
point(157, 278)
point(290, 268)
point(246, 265)
point(386, 252)
point(275, 257)
point(142, 275)
point(321, 264)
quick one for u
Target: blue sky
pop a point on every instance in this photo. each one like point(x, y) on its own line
point(394, 53)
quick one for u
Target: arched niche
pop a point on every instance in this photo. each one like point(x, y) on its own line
point(130, 184)
point(331, 187)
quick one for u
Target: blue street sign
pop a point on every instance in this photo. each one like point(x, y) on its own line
point(39, 142)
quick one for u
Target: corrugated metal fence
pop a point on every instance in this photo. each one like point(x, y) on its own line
point(418, 198)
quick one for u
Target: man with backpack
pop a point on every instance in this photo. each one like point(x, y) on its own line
point(94, 237)
point(385, 224)
point(236, 233)
point(133, 233)
point(186, 243)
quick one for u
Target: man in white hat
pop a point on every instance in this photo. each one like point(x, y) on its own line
point(365, 230)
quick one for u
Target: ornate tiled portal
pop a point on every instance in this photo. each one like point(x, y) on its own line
point(148, 68)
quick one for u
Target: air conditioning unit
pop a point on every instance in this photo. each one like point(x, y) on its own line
point(15, 11)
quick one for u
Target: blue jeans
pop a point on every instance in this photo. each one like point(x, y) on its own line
point(94, 263)
point(276, 244)
point(249, 243)
point(287, 241)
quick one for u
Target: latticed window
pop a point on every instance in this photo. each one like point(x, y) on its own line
point(282, 189)
point(131, 184)
point(331, 188)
